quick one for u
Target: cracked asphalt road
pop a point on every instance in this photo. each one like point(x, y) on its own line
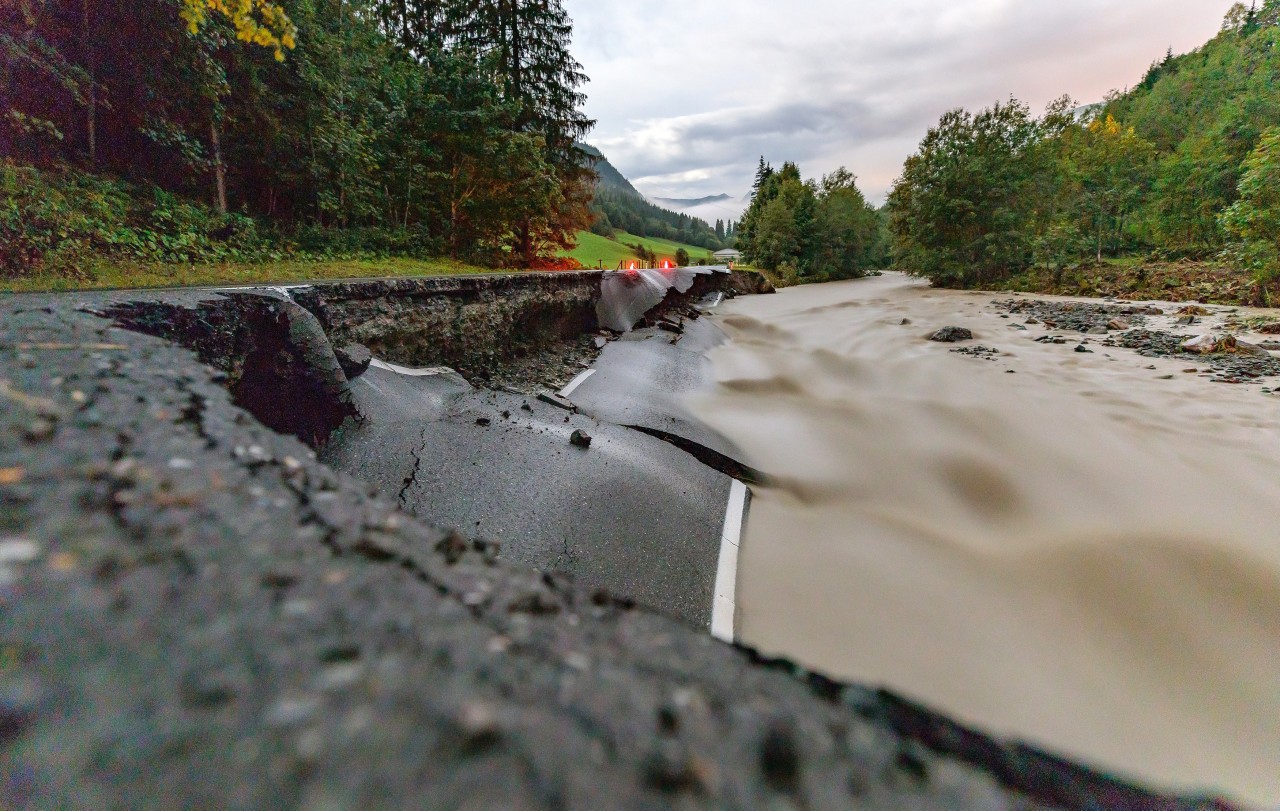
point(631, 514)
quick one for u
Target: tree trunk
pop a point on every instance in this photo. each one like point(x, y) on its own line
point(219, 169)
point(408, 197)
point(91, 67)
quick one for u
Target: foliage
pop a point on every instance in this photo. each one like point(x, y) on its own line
point(1204, 112)
point(810, 231)
point(408, 126)
point(1253, 221)
point(1107, 168)
point(260, 22)
point(963, 211)
point(56, 219)
point(992, 194)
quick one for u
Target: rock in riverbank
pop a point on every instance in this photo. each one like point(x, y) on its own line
point(951, 335)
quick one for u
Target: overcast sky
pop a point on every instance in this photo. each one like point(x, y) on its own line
point(690, 93)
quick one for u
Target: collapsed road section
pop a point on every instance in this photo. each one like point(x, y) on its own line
point(198, 612)
point(454, 412)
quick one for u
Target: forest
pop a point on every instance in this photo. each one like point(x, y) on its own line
point(185, 130)
point(1183, 166)
point(810, 231)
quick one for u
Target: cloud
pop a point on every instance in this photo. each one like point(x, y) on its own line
point(689, 95)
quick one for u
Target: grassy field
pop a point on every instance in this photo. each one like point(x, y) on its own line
point(109, 275)
point(592, 249)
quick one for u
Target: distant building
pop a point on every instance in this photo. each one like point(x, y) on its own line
point(728, 255)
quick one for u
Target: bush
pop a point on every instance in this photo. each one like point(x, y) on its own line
point(356, 243)
point(58, 218)
point(1254, 220)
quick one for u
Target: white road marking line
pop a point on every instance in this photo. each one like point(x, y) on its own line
point(407, 372)
point(725, 607)
point(577, 381)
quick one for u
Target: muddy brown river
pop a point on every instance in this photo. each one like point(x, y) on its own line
point(1059, 546)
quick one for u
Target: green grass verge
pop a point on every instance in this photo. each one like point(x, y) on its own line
point(105, 275)
point(593, 249)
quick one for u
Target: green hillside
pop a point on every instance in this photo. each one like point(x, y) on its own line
point(1204, 113)
point(1183, 166)
point(593, 249)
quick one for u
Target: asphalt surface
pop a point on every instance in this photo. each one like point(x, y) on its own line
point(639, 381)
point(632, 513)
point(197, 613)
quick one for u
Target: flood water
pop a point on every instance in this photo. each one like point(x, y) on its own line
point(1079, 554)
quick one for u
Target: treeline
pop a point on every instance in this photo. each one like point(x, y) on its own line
point(615, 210)
point(1183, 165)
point(422, 126)
point(810, 230)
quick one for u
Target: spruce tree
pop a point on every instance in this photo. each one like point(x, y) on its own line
point(763, 173)
point(525, 43)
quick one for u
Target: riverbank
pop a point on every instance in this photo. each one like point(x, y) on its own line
point(1140, 279)
point(1060, 539)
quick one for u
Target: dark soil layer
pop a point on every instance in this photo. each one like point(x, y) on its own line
point(197, 614)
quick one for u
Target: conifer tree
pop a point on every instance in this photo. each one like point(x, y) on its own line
point(526, 45)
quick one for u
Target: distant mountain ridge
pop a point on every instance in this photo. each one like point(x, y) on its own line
point(610, 177)
point(619, 206)
point(680, 202)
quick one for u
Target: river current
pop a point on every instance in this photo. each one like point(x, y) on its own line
point(1064, 547)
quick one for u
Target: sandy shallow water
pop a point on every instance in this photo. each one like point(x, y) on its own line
point(1079, 554)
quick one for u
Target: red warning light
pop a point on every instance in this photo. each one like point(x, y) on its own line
point(666, 264)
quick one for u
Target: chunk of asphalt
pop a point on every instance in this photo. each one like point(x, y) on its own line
point(557, 401)
point(354, 359)
point(581, 439)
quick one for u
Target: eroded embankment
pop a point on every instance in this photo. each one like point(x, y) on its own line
point(198, 614)
point(276, 346)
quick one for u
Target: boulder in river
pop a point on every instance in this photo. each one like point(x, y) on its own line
point(951, 335)
point(1215, 344)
